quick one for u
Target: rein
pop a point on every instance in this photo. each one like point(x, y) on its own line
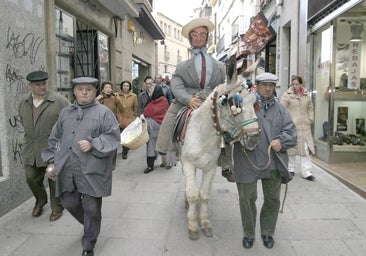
point(256, 167)
point(265, 167)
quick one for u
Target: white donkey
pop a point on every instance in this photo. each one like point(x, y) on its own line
point(228, 110)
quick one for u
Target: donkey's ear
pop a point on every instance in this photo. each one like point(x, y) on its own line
point(251, 69)
point(231, 73)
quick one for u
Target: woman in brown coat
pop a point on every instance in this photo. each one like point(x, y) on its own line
point(299, 104)
point(129, 109)
point(109, 98)
point(111, 101)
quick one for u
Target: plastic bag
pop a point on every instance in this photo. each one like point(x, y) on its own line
point(132, 131)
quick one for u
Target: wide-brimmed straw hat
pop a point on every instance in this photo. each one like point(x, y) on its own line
point(199, 22)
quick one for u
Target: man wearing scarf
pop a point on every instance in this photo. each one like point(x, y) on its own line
point(278, 134)
point(201, 73)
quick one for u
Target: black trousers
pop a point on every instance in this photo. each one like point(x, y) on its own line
point(88, 211)
point(35, 178)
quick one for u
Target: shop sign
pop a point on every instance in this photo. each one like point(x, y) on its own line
point(354, 65)
point(258, 35)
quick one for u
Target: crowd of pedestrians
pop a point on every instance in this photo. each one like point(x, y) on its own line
point(75, 144)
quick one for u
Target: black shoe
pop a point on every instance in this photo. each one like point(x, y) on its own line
point(292, 174)
point(37, 211)
point(268, 241)
point(124, 156)
point(148, 169)
point(88, 253)
point(228, 174)
point(311, 178)
point(248, 242)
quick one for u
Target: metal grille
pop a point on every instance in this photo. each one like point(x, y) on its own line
point(86, 50)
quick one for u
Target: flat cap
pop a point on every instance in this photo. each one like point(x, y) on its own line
point(37, 76)
point(84, 80)
point(267, 78)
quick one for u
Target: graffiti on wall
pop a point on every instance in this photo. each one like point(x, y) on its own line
point(22, 49)
point(23, 46)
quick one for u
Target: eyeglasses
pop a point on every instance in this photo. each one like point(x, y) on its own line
point(198, 35)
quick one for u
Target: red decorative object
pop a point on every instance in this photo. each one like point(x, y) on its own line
point(257, 36)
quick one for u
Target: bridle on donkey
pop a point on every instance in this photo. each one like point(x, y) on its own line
point(238, 129)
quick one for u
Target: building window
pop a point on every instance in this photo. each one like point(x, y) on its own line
point(81, 51)
point(65, 50)
point(166, 53)
point(339, 86)
point(179, 57)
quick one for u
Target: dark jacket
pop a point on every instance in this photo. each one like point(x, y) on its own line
point(91, 171)
point(36, 134)
point(275, 123)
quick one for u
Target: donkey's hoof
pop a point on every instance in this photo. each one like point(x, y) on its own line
point(207, 232)
point(193, 235)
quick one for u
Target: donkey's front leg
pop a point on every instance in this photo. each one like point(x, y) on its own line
point(192, 197)
point(205, 194)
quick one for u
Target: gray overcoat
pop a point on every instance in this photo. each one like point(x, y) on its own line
point(88, 172)
point(275, 123)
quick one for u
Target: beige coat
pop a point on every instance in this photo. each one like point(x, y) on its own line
point(129, 108)
point(302, 112)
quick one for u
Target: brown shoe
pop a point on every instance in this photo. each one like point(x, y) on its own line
point(37, 211)
point(228, 174)
point(55, 216)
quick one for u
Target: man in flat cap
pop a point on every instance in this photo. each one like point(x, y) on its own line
point(279, 133)
point(39, 110)
point(200, 74)
point(81, 148)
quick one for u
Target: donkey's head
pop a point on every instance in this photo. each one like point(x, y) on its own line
point(233, 108)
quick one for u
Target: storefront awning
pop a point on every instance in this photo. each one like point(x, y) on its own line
point(148, 22)
point(257, 36)
point(121, 7)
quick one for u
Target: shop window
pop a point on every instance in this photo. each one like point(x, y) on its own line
point(65, 50)
point(339, 88)
point(81, 51)
point(349, 85)
point(322, 65)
